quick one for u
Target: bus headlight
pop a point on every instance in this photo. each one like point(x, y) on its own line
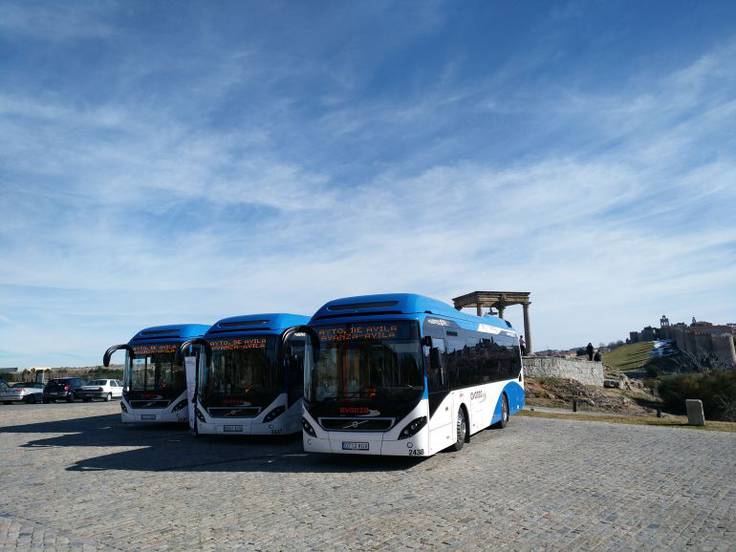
point(275, 413)
point(308, 427)
point(413, 427)
point(200, 416)
point(181, 404)
point(123, 407)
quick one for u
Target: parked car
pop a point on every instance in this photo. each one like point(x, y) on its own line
point(104, 389)
point(4, 392)
point(28, 392)
point(62, 388)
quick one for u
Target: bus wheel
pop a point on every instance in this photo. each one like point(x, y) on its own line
point(462, 430)
point(504, 413)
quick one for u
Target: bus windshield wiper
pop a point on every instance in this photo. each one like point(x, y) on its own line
point(353, 395)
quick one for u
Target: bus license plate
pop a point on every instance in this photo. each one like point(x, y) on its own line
point(146, 417)
point(353, 445)
point(232, 428)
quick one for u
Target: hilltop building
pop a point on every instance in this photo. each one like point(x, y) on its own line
point(712, 345)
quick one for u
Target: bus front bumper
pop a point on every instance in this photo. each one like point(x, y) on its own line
point(129, 415)
point(364, 442)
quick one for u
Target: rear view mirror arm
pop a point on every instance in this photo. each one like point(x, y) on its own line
point(179, 356)
point(313, 337)
point(108, 354)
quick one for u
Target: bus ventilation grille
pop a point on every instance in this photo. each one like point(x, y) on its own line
point(160, 333)
point(236, 323)
point(237, 330)
point(356, 424)
point(144, 338)
point(356, 306)
point(234, 411)
point(352, 314)
point(149, 404)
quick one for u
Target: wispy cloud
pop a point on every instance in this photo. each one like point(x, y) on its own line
point(56, 21)
point(260, 187)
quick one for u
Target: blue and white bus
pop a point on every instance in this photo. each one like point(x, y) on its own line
point(406, 375)
point(250, 379)
point(154, 383)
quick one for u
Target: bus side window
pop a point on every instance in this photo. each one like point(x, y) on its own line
point(437, 367)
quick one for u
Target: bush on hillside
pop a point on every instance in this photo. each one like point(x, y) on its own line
point(717, 390)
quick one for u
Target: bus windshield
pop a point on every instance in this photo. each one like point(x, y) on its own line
point(367, 362)
point(244, 372)
point(152, 373)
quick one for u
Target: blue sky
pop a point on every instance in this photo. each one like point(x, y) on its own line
point(170, 162)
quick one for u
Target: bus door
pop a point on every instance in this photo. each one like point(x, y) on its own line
point(440, 402)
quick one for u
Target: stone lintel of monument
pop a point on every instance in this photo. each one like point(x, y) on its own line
point(498, 300)
point(492, 299)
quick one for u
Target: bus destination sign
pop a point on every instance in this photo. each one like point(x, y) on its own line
point(359, 332)
point(238, 344)
point(144, 350)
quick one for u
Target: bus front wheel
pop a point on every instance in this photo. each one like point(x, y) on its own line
point(462, 429)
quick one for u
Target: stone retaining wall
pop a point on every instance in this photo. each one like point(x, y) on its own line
point(584, 371)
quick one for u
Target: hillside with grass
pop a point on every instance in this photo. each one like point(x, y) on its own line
point(629, 357)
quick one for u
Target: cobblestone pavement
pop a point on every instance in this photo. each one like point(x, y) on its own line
point(74, 478)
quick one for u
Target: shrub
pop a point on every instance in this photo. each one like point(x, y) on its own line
point(652, 370)
point(717, 390)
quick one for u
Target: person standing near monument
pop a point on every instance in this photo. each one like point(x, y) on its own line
point(522, 345)
point(589, 349)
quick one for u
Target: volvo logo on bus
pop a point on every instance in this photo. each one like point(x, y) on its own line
point(354, 424)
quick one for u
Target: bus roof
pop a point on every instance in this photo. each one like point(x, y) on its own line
point(167, 334)
point(361, 307)
point(249, 324)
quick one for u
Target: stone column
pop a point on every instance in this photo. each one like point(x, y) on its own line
point(500, 308)
point(478, 309)
point(527, 330)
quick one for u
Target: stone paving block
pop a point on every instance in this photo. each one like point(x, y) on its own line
point(536, 485)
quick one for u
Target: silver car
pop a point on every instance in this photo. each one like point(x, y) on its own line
point(27, 392)
point(105, 389)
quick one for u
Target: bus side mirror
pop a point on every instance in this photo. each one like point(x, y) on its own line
point(308, 331)
point(108, 354)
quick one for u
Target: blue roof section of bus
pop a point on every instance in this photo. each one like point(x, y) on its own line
point(249, 324)
point(386, 304)
point(167, 334)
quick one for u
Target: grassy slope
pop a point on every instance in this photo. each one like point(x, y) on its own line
point(628, 357)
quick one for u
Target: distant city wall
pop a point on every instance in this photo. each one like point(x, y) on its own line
point(724, 349)
point(704, 343)
point(584, 371)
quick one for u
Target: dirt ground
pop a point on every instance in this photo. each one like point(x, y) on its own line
point(557, 392)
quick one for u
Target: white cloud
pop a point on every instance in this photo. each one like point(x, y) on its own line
point(599, 233)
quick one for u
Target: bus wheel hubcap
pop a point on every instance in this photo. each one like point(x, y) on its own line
point(460, 427)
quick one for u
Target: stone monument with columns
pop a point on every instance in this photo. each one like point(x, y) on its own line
point(498, 300)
